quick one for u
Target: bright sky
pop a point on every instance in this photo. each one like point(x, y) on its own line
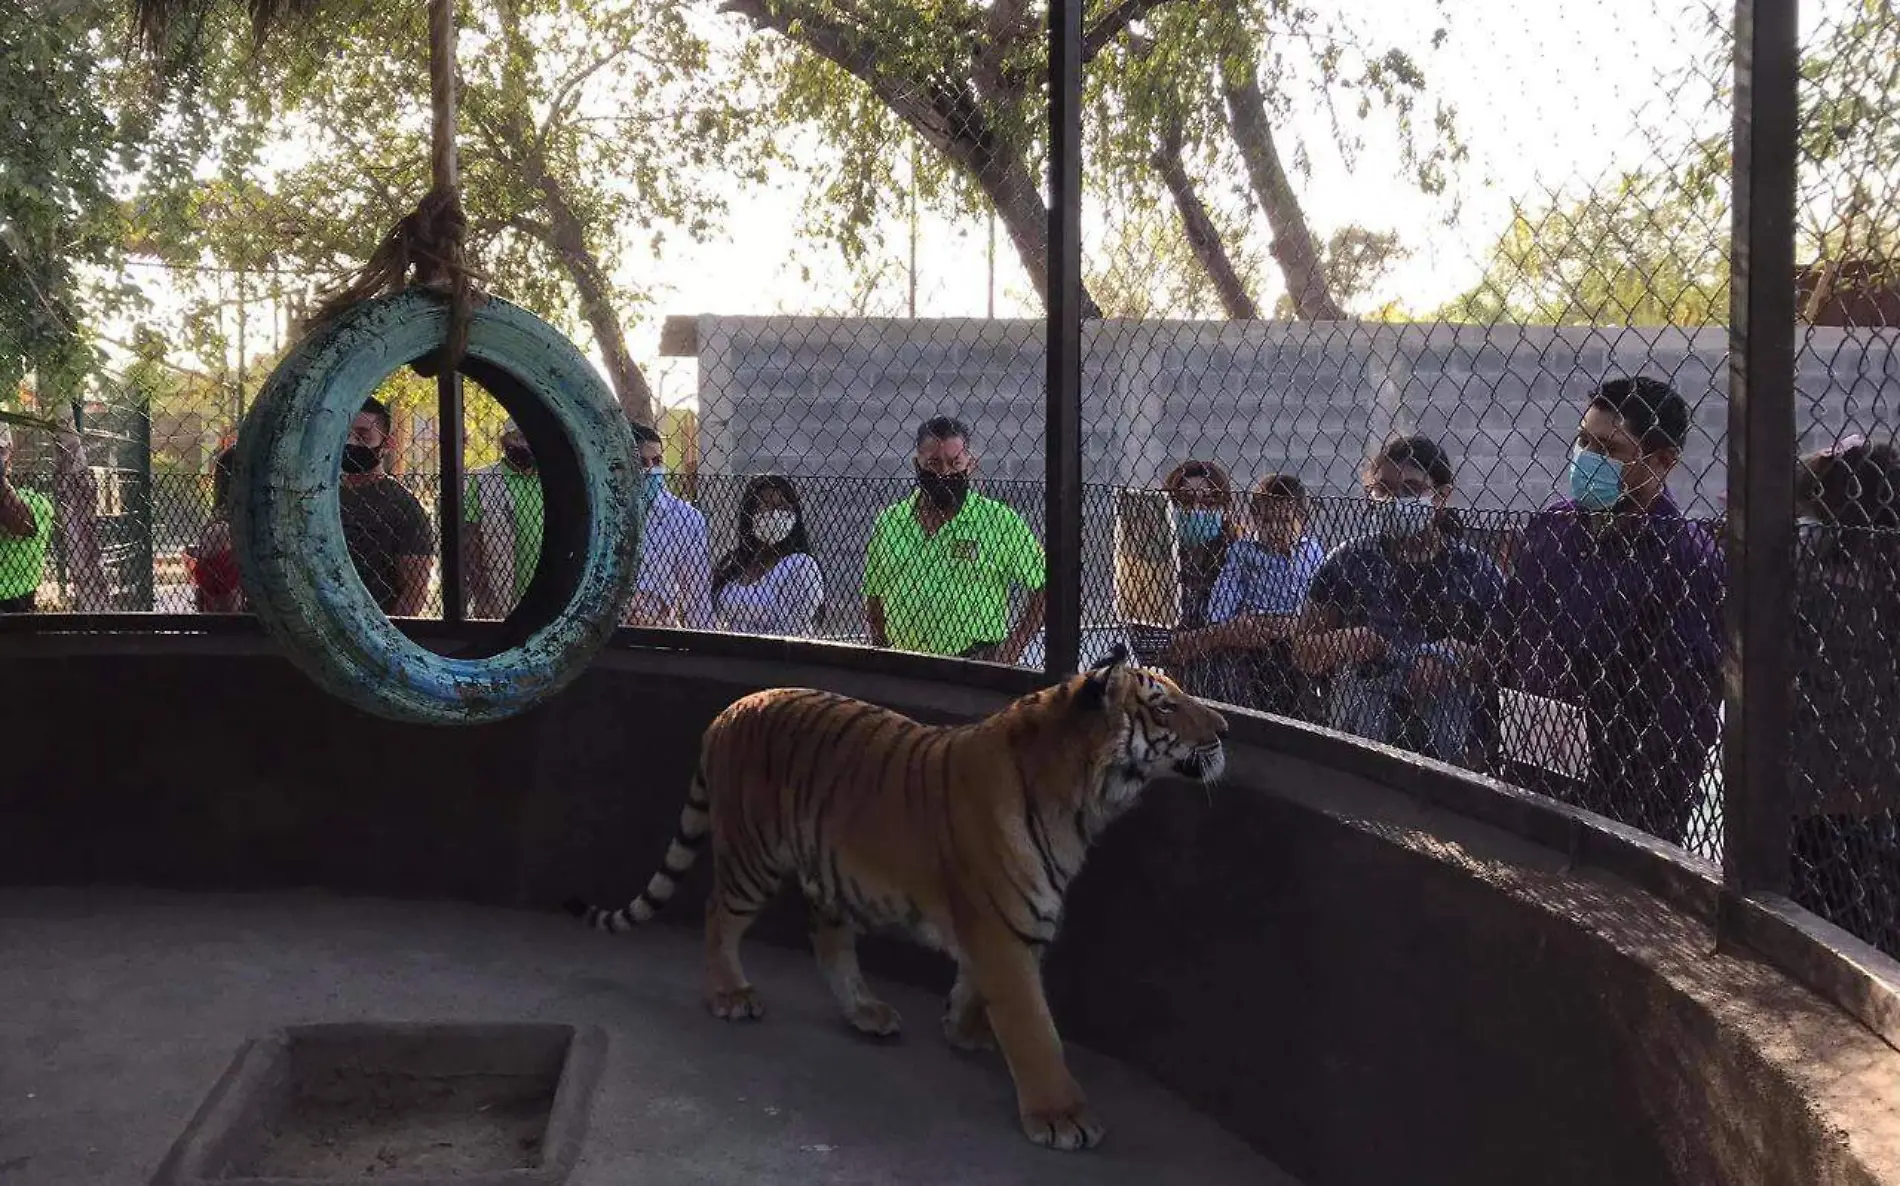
point(1551, 99)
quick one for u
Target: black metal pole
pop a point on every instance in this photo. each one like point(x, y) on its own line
point(1063, 422)
point(448, 402)
point(1757, 808)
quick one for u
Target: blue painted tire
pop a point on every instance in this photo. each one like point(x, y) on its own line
point(288, 527)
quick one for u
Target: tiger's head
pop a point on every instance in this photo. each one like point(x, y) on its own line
point(1156, 728)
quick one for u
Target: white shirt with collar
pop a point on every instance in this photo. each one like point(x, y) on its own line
point(675, 585)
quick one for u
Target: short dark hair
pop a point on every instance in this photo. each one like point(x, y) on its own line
point(1853, 484)
point(942, 428)
point(1284, 487)
point(1421, 451)
point(645, 434)
point(1651, 411)
point(377, 408)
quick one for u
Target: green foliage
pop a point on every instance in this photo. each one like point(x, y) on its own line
point(60, 149)
point(1145, 268)
point(84, 130)
point(1850, 140)
point(966, 79)
point(588, 128)
point(866, 78)
point(1648, 252)
point(1307, 62)
point(1653, 248)
point(1353, 260)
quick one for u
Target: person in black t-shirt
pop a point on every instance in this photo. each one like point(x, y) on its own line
point(388, 533)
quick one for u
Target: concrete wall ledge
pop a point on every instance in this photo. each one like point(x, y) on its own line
point(1374, 969)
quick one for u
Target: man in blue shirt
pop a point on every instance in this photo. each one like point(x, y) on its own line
point(1397, 617)
point(1254, 603)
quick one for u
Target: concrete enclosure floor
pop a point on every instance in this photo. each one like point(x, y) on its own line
point(119, 1009)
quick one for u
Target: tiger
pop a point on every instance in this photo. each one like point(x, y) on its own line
point(963, 838)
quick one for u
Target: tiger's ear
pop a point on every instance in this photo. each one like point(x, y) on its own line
point(1094, 690)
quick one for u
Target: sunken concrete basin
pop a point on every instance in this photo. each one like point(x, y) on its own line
point(491, 1105)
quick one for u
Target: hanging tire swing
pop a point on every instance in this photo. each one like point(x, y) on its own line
point(413, 303)
point(288, 525)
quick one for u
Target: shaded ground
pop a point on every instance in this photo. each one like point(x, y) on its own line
point(120, 1009)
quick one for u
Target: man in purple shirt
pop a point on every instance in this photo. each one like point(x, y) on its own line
point(1614, 605)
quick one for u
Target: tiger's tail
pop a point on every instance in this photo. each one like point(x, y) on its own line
point(694, 827)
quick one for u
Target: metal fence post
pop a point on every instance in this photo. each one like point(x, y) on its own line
point(448, 391)
point(1062, 473)
point(1757, 802)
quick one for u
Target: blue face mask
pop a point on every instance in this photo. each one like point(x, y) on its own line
point(655, 484)
point(1596, 482)
point(1197, 526)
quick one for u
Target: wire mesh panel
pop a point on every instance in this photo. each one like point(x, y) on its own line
point(869, 437)
point(1433, 397)
point(1844, 755)
point(1405, 365)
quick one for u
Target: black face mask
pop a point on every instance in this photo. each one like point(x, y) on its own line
point(360, 459)
point(519, 456)
point(946, 492)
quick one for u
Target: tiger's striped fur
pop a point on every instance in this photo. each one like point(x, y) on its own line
point(965, 838)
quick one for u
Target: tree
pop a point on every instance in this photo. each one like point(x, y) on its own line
point(534, 123)
point(1653, 249)
point(1847, 223)
point(1351, 264)
point(1211, 87)
point(1649, 252)
point(1148, 267)
point(584, 122)
point(61, 147)
point(1172, 86)
point(965, 79)
point(1850, 166)
point(1152, 87)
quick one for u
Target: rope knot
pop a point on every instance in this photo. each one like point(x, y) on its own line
point(428, 242)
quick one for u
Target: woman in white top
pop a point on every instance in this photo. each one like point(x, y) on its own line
point(769, 584)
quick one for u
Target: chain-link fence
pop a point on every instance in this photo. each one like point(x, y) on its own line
point(1846, 628)
point(1404, 387)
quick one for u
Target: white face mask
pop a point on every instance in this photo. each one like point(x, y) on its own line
point(773, 527)
point(1403, 518)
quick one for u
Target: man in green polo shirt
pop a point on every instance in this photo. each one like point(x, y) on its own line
point(26, 524)
point(942, 562)
point(506, 513)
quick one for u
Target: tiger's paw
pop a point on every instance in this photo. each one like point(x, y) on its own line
point(736, 1004)
point(874, 1018)
point(969, 1030)
point(1073, 1127)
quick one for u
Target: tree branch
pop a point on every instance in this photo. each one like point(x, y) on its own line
point(559, 107)
point(1203, 237)
point(827, 38)
point(1004, 20)
point(1114, 22)
point(913, 100)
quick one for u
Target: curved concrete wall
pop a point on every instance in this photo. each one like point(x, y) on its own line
point(1370, 990)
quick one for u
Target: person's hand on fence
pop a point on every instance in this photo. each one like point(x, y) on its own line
point(1186, 647)
point(1441, 666)
point(1351, 646)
